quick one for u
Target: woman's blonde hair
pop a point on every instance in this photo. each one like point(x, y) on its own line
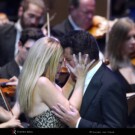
point(42, 60)
point(117, 38)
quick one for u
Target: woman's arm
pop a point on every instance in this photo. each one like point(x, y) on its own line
point(4, 115)
point(51, 96)
point(68, 87)
point(16, 109)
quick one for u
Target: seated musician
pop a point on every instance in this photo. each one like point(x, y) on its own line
point(13, 68)
point(81, 17)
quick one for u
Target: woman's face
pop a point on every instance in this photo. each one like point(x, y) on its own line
point(129, 44)
point(68, 56)
point(59, 67)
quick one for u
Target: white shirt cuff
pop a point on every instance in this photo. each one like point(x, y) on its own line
point(78, 121)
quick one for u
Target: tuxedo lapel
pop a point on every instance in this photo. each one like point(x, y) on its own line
point(68, 26)
point(91, 91)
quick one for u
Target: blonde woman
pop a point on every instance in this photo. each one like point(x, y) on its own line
point(37, 91)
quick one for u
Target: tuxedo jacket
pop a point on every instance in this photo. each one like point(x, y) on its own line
point(62, 28)
point(9, 70)
point(8, 34)
point(104, 103)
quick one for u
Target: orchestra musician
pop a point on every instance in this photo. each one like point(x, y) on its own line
point(81, 17)
point(13, 67)
point(31, 14)
point(120, 51)
point(120, 48)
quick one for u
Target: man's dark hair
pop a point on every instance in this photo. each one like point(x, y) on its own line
point(74, 3)
point(81, 41)
point(30, 33)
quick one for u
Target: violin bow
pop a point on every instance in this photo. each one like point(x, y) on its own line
point(6, 102)
point(108, 17)
point(50, 19)
point(48, 23)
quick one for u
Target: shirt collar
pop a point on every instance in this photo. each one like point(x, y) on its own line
point(18, 26)
point(20, 67)
point(73, 23)
point(90, 74)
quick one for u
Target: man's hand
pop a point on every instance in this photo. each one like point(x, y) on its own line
point(13, 81)
point(69, 117)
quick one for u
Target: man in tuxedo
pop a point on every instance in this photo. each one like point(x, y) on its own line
point(30, 14)
point(80, 17)
point(104, 103)
point(81, 13)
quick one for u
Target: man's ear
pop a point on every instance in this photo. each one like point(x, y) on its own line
point(20, 11)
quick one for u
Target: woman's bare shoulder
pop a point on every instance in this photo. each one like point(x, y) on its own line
point(42, 81)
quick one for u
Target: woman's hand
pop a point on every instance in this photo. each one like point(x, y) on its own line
point(81, 65)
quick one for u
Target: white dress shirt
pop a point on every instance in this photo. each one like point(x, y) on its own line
point(18, 35)
point(75, 27)
point(89, 77)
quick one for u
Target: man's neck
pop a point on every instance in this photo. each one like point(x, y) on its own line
point(18, 25)
point(18, 61)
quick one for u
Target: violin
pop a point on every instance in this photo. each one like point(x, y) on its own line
point(100, 26)
point(132, 61)
point(132, 58)
point(7, 89)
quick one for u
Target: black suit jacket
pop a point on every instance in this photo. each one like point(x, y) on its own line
point(104, 103)
point(7, 43)
point(62, 28)
point(9, 70)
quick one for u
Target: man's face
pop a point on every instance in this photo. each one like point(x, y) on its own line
point(31, 17)
point(68, 56)
point(84, 13)
point(129, 45)
point(24, 50)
